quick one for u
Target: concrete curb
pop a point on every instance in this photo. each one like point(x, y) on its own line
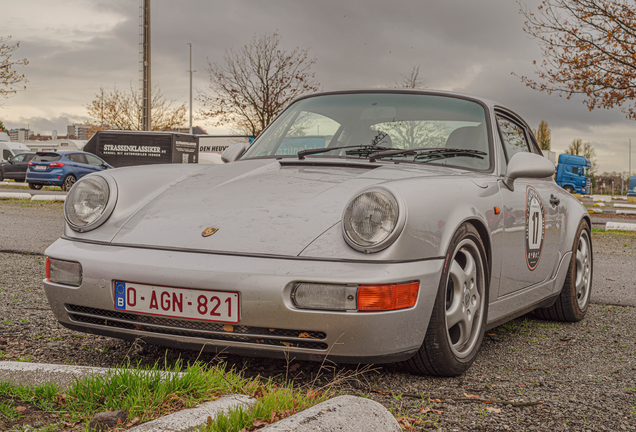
point(28, 196)
point(189, 419)
point(6, 183)
point(618, 226)
point(343, 413)
point(48, 198)
point(40, 373)
point(15, 195)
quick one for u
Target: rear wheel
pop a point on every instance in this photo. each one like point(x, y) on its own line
point(1, 175)
point(456, 327)
point(572, 303)
point(68, 183)
point(35, 186)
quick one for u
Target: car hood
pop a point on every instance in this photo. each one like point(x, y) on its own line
point(259, 207)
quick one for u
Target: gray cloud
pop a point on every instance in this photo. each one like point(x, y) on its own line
point(470, 47)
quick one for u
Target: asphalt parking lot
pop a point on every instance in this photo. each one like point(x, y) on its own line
point(550, 375)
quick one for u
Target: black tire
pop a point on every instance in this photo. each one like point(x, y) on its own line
point(569, 189)
point(574, 300)
point(1, 175)
point(68, 182)
point(35, 186)
point(442, 354)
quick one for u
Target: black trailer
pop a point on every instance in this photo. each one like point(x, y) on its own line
point(128, 148)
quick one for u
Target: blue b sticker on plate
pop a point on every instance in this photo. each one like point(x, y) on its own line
point(120, 295)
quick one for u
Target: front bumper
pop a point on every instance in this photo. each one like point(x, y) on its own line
point(269, 325)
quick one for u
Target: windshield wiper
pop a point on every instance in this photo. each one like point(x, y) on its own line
point(429, 152)
point(364, 148)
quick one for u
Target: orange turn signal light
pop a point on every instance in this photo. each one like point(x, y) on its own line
point(375, 298)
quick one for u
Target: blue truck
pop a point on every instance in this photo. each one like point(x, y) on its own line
point(631, 192)
point(573, 173)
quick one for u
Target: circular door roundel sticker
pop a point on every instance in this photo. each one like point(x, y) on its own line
point(535, 227)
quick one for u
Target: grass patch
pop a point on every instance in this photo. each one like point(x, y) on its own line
point(147, 394)
point(602, 232)
point(19, 186)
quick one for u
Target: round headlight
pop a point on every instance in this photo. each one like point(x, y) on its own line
point(89, 203)
point(370, 221)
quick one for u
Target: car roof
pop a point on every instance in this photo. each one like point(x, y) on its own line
point(428, 92)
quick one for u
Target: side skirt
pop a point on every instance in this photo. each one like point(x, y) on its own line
point(523, 301)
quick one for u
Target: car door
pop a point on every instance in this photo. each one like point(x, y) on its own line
point(80, 165)
point(95, 163)
point(532, 218)
point(16, 168)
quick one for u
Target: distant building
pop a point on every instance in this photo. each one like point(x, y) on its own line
point(20, 135)
point(79, 131)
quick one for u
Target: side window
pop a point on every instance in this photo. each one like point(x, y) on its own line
point(93, 160)
point(514, 138)
point(78, 158)
point(575, 170)
point(18, 158)
point(6, 154)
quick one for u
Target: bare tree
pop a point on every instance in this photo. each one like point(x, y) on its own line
point(122, 110)
point(10, 80)
point(578, 147)
point(588, 47)
point(254, 84)
point(412, 79)
point(543, 135)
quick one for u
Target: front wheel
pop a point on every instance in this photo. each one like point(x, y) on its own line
point(569, 189)
point(572, 303)
point(456, 327)
point(68, 183)
point(35, 186)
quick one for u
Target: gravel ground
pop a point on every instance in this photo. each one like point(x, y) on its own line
point(538, 375)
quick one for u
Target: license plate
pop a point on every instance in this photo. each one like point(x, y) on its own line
point(219, 306)
point(40, 167)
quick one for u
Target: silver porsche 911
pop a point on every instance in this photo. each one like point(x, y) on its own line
point(366, 226)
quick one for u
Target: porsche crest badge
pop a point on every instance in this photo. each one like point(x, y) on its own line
point(209, 231)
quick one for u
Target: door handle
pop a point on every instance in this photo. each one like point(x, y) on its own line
point(554, 200)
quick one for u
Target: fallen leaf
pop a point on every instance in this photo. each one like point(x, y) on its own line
point(379, 391)
point(294, 367)
point(272, 330)
point(135, 420)
point(610, 279)
point(304, 335)
point(438, 401)
point(210, 420)
point(228, 328)
point(472, 396)
point(20, 409)
point(260, 422)
point(493, 410)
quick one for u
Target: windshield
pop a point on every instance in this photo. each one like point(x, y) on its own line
point(385, 120)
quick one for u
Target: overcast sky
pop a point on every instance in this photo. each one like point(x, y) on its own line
point(74, 47)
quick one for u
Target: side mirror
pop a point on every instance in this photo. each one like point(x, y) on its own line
point(234, 152)
point(528, 165)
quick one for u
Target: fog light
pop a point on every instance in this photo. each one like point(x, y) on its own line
point(324, 296)
point(375, 298)
point(64, 272)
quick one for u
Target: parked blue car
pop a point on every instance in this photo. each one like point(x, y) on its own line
point(62, 168)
